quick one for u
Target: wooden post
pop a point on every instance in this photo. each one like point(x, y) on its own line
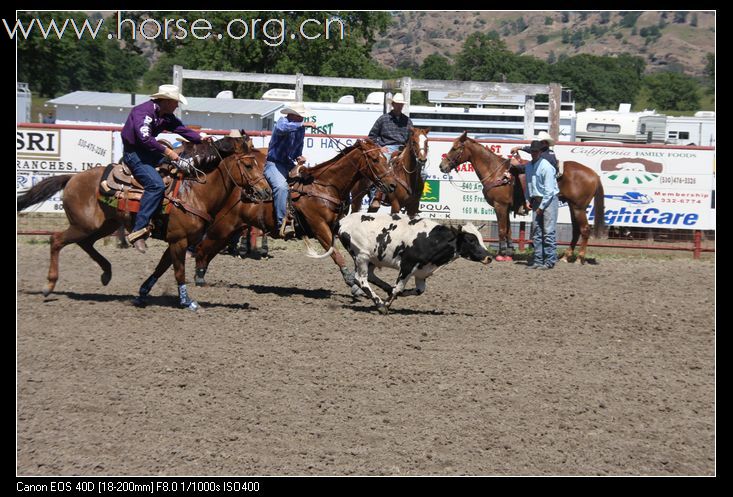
point(406, 87)
point(178, 81)
point(298, 87)
point(554, 110)
point(529, 117)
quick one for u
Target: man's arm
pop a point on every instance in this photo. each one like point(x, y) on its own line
point(376, 132)
point(141, 122)
point(546, 176)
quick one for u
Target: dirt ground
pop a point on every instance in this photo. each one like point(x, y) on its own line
point(604, 369)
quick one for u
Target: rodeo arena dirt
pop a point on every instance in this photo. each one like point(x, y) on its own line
point(603, 369)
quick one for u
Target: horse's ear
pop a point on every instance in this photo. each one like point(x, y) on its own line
point(463, 137)
point(427, 130)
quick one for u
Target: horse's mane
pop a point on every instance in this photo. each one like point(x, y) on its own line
point(488, 151)
point(323, 165)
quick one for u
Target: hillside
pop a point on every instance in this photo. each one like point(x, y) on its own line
point(665, 39)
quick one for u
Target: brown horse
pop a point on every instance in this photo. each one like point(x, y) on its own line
point(407, 167)
point(318, 198)
point(90, 220)
point(579, 185)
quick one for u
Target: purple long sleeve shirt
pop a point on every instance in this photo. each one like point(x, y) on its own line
point(145, 122)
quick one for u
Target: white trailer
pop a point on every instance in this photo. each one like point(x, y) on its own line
point(621, 126)
point(698, 130)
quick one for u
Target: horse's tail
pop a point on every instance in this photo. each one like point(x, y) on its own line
point(600, 210)
point(313, 254)
point(42, 191)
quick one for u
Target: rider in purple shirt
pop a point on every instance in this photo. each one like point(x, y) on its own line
point(142, 152)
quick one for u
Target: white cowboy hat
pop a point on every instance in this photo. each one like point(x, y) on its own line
point(171, 92)
point(545, 136)
point(235, 133)
point(296, 108)
point(398, 98)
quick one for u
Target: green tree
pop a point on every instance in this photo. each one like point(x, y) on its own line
point(54, 65)
point(709, 71)
point(435, 66)
point(599, 81)
point(672, 91)
point(483, 58)
point(347, 57)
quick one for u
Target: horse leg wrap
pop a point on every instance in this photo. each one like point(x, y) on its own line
point(147, 286)
point(185, 300)
point(200, 279)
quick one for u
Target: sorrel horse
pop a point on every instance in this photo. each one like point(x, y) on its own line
point(199, 199)
point(407, 167)
point(579, 185)
point(318, 194)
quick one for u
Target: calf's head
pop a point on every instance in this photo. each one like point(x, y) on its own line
point(471, 244)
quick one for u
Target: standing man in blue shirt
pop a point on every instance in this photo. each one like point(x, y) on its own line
point(284, 151)
point(142, 152)
point(542, 191)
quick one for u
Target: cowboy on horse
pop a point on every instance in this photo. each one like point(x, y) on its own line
point(142, 152)
point(390, 131)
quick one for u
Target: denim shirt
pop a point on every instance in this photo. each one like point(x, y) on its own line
point(541, 181)
point(286, 143)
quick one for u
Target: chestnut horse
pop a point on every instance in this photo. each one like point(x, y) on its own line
point(90, 219)
point(318, 196)
point(407, 167)
point(579, 185)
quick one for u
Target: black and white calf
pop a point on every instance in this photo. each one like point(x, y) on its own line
point(417, 247)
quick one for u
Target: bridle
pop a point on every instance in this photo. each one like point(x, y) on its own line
point(454, 162)
point(370, 164)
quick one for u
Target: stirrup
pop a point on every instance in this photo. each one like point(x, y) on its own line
point(134, 236)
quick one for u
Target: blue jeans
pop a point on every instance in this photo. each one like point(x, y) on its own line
point(141, 165)
point(387, 155)
point(543, 234)
point(276, 174)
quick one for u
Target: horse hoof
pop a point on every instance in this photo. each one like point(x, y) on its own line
point(193, 306)
point(199, 281)
point(383, 309)
point(105, 278)
point(47, 290)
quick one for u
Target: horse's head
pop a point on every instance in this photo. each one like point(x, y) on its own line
point(419, 144)
point(203, 155)
point(456, 155)
point(375, 166)
point(248, 174)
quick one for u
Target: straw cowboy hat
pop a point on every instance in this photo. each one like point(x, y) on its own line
point(235, 133)
point(545, 136)
point(170, 92)
point(296, 108)
point(398, 98)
